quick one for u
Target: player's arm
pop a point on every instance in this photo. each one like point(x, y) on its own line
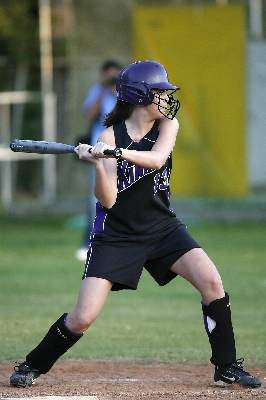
point(153, 159)
point(161, 149)
point(105, 188)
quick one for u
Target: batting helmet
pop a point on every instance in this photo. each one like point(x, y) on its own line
point(136, 81)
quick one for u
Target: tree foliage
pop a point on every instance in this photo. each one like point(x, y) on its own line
point(19, 25)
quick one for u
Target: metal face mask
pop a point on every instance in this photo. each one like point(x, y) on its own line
point(166, 106)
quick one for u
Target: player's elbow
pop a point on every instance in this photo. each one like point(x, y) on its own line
point(107, 201)
point(109, 204)
point(159, 161)
point(158, 166)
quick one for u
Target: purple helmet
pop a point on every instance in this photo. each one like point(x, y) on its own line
point(136, 81)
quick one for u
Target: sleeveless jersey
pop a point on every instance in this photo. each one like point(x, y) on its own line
point(143, 199)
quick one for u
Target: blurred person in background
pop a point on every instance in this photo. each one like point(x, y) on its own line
point(99, 101)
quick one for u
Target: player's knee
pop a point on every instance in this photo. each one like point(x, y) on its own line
point(213, 288)
point(81, 322)
point(215, 281)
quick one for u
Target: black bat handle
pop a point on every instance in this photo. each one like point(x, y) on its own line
point(107, 152)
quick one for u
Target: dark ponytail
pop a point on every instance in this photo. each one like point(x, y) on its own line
point(122, 111)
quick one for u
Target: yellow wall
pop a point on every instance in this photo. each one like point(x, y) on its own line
point(203, 50)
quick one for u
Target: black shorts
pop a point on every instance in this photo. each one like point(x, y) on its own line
point(122, 259)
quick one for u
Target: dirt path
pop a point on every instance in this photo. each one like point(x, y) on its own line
point(113, 379)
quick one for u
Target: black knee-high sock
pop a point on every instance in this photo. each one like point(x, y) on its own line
point(220, 331)
point(55, 343)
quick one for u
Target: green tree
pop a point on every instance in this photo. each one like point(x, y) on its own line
point(19, 37)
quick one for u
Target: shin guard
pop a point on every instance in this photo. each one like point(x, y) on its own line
point(218, 325)
point(55, 343)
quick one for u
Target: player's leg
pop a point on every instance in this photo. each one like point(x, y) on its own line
point(64, 333)
point(92, 296)
point(197, 268)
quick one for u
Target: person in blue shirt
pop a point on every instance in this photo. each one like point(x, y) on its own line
point(100, 101)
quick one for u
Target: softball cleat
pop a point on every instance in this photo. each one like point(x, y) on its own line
point(24, 375)
point(235, 373)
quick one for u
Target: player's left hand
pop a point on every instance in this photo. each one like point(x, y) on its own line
point(84, 151)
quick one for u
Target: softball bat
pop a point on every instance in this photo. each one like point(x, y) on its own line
point(42, 147)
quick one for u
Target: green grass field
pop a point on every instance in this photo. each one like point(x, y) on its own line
point(40, 278)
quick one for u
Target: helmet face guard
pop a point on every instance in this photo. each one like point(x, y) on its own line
point(136, 82)
point(172, 105)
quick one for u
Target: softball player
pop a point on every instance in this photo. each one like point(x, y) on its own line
point(136, 228)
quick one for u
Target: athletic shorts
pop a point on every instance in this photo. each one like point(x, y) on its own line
point(121, 259)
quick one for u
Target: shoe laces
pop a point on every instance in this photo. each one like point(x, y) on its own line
point(238, 363)
point(23, 367)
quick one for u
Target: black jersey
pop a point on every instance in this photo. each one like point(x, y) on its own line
point(142, 205)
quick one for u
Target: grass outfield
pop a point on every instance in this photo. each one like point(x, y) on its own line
point(40, 278)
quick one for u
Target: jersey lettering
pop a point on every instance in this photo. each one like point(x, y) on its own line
point(161, 181)
point(127, 175)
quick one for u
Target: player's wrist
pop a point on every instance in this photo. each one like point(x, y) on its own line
point(118, 153)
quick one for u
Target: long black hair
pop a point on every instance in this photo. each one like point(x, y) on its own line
point(121, 111)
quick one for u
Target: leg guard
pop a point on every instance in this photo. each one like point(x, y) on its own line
point(55, 343)
point(218, 325)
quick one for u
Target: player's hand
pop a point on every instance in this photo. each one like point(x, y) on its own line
point(84, 152)
point(93, 153)
point(99, 148)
